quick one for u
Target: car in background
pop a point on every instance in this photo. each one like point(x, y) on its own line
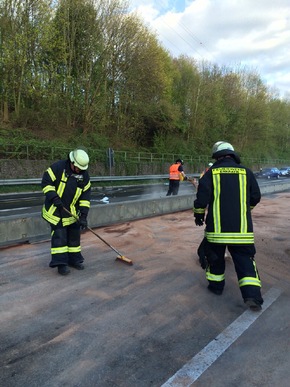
point(285, 171)
point(269, 173)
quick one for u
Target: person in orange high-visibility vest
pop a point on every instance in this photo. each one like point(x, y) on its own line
point(176, 174)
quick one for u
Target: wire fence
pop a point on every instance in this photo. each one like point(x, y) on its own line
point(41, 152)
point(112, 162)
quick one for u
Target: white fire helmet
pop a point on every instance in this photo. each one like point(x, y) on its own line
point(80, 159)
point(222, 148)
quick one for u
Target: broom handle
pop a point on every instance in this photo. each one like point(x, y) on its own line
point(103, 240)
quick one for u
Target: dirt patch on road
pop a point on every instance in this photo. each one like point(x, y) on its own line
point(118, 325)
point(177, 235)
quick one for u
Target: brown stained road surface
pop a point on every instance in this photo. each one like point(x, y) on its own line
point(114, 325)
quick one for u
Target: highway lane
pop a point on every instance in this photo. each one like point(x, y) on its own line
point(31, 202)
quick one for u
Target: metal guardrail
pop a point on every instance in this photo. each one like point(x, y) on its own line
point(31, 227)
point(19, 181)
point(9, 182)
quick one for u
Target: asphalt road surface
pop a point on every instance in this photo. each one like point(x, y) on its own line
point(150, 324)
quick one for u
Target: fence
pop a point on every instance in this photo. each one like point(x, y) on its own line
point(40, 152)
point(36, 158)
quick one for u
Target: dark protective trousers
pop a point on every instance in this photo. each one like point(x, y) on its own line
point(245, 266)
point(65, 245)
point(173, 187)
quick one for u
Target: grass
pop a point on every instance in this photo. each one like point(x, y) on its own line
point(16, 188)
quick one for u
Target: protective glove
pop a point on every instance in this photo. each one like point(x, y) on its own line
point(185, 178)
point(206, 255)
point(83, 222)
point(201, 254)
point(57, 202)
point(199, 219)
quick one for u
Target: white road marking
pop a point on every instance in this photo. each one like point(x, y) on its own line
point(193, 369)
point(15, 209)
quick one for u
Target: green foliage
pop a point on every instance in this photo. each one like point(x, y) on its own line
point(88, 72)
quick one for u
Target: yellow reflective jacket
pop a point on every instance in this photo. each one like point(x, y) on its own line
point(73, 189)
point(228, 191)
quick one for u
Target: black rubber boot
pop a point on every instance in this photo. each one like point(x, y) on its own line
point(253, 304)
point(78, 266)
point(215, 290)
point(63, 270)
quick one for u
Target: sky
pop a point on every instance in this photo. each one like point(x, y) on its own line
point(252, 34)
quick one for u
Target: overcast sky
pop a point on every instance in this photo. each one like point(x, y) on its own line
point(235, 33)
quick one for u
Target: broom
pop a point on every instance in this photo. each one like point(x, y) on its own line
point(120, 257)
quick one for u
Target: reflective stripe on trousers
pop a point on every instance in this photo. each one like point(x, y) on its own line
point(65, 245)
point(245, 267)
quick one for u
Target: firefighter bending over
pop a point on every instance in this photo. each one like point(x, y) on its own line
point(66, 184)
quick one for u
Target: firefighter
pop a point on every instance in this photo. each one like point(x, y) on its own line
point(66, 184)
point(176, 174)
point(229, 191)
point(206, 169)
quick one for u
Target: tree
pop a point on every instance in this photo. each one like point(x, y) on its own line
point(138, 81)
point(186, 94)
point(23, 25)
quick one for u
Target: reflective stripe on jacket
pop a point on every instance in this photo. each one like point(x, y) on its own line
point(229, 191)
point(73, 189)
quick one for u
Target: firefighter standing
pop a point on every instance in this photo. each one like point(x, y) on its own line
point(66, 184)
point(176, 174)
point(229, 191)
point(206, 169)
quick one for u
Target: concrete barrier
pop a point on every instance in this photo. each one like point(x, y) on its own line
point(32, 227)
